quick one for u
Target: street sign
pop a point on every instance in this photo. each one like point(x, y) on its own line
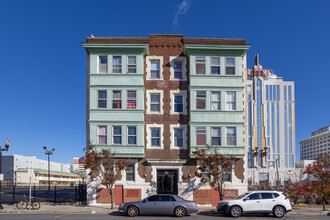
point(30, 172)
point(1, 177)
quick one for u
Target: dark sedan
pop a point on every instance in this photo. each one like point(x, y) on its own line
point(159, 205)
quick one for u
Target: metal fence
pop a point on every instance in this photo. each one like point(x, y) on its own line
point(57, 194)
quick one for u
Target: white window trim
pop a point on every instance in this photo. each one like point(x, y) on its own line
point(184, 67)
point(98, 63)
point(230, 66)
point(98, 132)
point(98, 99)
point(131, 90)
point(121, 98)
point(116, 55)
point(135, 164)
point(184, 127)
point(184, 94)
point(204, 64)
point(148, 128)
point(217, 101)
point(235, 136)
point(235, 101)
point(131, 135)
point(211, 134)
point(215, 66)
point(161, 92)
point(131, 64)
point(148, 69)
point(198, 109)
point(112, 135)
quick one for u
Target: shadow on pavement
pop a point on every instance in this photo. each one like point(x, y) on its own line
point(217, 215)
point(116, 213)
point(211, 214)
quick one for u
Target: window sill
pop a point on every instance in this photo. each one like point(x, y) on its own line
point(115, 74)
point(215, 76)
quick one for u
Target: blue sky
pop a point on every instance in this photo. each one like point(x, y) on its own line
point(43, 65)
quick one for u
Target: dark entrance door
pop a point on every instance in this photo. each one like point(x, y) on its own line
point(167, 182)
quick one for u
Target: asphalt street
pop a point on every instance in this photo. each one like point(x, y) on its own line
point(200, 216)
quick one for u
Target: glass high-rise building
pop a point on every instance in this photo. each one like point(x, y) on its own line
point(271, 127)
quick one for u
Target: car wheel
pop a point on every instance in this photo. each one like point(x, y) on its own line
point(235, 211)
point(279, 211)
point(180, 211)
point(132, 211)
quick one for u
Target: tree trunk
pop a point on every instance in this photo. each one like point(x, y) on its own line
point(111, 197)
point(220, 191)
point(323, 204)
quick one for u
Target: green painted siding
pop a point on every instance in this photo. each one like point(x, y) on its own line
point(109, 89)
point(108, 82)
point(217, 83)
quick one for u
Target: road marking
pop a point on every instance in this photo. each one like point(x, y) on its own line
point(59, 216)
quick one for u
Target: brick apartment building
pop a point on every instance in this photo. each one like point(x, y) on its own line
point(153, 100)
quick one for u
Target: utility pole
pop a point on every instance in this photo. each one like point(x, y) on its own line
point(48, 152)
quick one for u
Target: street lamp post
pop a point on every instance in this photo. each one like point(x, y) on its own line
point(1, 150)
point(277, 176)
point(48, 152)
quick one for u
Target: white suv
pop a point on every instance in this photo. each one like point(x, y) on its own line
point(256, 202)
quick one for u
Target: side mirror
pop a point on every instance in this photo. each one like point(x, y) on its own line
point(144, 201)
point(244, 200)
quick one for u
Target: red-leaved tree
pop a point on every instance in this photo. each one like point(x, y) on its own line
point(103, 167)
point(296, 191)
point(319, 170)
point(214, 165)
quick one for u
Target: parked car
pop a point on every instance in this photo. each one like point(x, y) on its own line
point(160, 205)
point(266, 202)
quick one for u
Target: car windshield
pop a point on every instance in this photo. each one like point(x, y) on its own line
point(242, 196)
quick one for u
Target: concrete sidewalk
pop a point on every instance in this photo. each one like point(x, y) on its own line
point(315, 210)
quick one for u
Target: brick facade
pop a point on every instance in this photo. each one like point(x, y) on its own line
point(167, 157)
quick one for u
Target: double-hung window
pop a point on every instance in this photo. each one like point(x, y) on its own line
point(155, 69)
point(216, 136)
point(130, 173)
point(201, 135)
point(102, 135)
point(178, 137)
point(230, 66)
point(116, 64)
point(178, 103)
point(116, 135)
point(230, 100)
point(231, 136)
point(116, 99)
point(200, 65)
point(227, 177)
point(177, 70)
point(215, 65)
point(131, 99)
point(155, 102)
point(200, 99)
point(131, 64)
point(215, 100)
point(102, 99)
point(131, 135)
point(155, 137)
point(103, 64)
